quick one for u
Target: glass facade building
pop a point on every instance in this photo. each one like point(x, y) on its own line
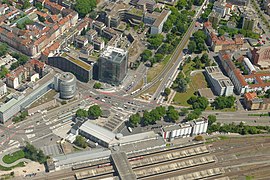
point(113, 65)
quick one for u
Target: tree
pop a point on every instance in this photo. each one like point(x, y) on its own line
point(147, 118)
point(158, 57)
point(26, 4)
point(39, 6)
point(166, 48)
point(198, 2)
point(194, 114)
point(222, 102)
point(167, 91)
point(3, 49)
point(97, 85)
point(170, 37)
point(83, 7)
point(161, 110)
point(80, 141)
point(167, 26)
point(155, 41)
point(199, 36)
point(267, 93)
point(192, 46)
point(41, 18)
point(34, 154)
point(221, 32)
point(182, 85)
point(181, 4)
point(94, 111)
point(3, 71)
point(211, 119)
point(183, 112)
point(146, 55)
point(134, 119)
point(81, 113)
point(198, 102)
point(172, 114)
point(204, 58)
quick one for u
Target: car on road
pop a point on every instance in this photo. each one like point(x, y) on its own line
point(129, 129)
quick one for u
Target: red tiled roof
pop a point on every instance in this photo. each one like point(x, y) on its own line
point(250, 95)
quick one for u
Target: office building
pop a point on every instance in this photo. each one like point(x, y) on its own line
point(156, 20)
point(16, 102)
point(65, 83)
point(70, 63)
point(113, 65)
point(250, 18)
point(220, 84)
point(261, 57)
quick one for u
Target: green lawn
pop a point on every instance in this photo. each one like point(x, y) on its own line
point(181, 98)
point(232, 109)
point(45, 98)
point(154, 71)
point(197, 81)
point(2, 168)
point(8, 159)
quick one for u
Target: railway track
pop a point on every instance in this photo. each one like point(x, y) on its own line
point(167, 152)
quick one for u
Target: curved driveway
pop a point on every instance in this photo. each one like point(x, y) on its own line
point(14, 163)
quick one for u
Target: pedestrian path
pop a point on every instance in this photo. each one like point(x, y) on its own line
point(14, 163)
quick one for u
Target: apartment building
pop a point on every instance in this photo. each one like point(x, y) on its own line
point(221, 43)
point(244, 83)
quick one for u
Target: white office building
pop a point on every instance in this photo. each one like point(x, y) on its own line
point(183, 130)
point(220, 84)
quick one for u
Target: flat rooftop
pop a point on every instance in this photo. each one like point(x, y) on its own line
point(81, 157)
point(77, 61)
point(98, 132)
point(206, 92)
point(114, 54)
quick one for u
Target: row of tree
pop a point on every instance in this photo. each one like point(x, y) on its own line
point(234, 31)
point(237, 128)
point(150, 117)
point(21, 117)
point(93, 112)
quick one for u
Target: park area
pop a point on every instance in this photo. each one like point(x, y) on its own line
point(197, 81)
